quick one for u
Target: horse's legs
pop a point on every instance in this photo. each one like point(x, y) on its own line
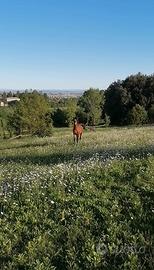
point(77, 138)
point(74, 138)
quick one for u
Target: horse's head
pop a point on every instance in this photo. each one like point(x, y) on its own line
point(75, 122)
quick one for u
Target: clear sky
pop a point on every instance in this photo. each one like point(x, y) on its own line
point(74, 44)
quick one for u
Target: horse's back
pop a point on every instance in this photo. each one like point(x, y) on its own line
point(78, 130)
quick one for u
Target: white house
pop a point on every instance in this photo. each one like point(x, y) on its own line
point(5, 102)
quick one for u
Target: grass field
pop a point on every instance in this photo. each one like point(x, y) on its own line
point(85, 206)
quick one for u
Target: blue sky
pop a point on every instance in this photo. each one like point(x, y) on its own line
point(74, 44)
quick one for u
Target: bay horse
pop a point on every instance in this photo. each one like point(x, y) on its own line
point(77, 130)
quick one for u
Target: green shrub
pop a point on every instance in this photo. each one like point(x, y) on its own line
point(137, 115)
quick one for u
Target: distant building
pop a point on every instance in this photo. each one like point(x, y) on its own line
point(10, 99)
point(5, 101)
point(2, 103)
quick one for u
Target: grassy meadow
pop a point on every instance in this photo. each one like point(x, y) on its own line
point(86, 206)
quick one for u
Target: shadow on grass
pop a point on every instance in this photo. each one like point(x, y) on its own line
point(101, 154)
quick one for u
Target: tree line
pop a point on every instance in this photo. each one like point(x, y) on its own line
point(124, 102)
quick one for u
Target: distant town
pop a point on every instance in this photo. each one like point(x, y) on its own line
point(64, 93)
point(11, 94)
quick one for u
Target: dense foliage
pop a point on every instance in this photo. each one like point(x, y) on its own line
point(92, 102)
point(4, 115)
point(122, 96)
point(32, 114)
point(64, 112)
point(137, 115)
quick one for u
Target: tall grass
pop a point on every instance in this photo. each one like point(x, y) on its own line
point(85, 206)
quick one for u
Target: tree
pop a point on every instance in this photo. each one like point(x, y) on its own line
point(81, 115)
point(32, 115)
point(137, 115)
point(59, 118)
point(149, 92)
point(65, 113)
point(92, 102)
point(116, 103)
point(70, 110)
point(122, 96)
point(106, 120)
point(151, 114)
point(5, 113)
point(135, 85)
